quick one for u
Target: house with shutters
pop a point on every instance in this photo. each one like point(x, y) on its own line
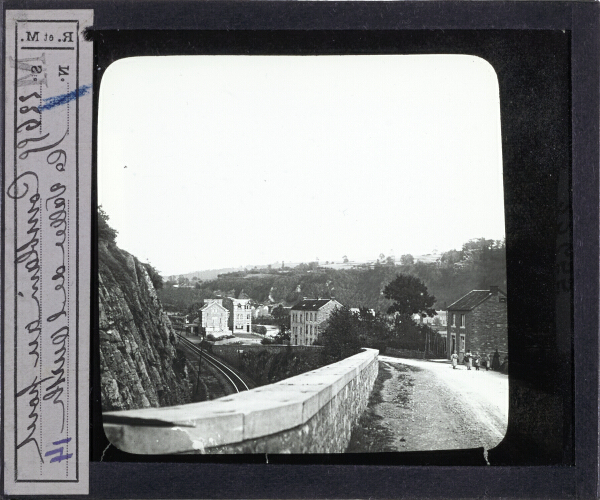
point(308, 319)
point(477, 322)
point(214, 316)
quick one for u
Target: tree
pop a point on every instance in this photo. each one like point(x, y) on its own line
point(451, 257)
point(410, 296)
point(155, 276)
point(341, 336)
point(407, 260)
point(374, 329)
point(282, 318)
point(409, 335)
point(105, 232)
point(283, 337)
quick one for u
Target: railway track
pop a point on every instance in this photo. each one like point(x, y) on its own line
point(234, 379)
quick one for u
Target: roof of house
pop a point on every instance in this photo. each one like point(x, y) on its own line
point(210, 304)
point(471, 300)
point(310, 304)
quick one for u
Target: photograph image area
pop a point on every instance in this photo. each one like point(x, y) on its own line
point(301, 254)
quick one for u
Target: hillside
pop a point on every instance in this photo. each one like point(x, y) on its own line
point(211, 274)
point(478, 265)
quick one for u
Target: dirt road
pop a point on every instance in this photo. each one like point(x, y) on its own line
point(425, 405)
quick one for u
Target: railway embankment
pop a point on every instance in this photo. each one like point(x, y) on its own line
point(267, 364)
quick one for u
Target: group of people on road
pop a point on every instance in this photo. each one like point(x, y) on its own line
point(490, 362)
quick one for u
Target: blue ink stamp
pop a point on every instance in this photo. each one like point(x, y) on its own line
point(59, 100)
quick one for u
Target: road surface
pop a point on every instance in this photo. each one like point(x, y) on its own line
point(422, 405)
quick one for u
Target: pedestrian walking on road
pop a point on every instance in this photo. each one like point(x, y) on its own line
point(504, 365)
point(496, 361)
point(485, 360)
point(468, 359)
point(476, 362)
point(454, 359)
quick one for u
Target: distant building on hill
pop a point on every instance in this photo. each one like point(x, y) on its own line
point(356, 310)
point(308, 318)
point(477, 322)
point(260, 311)
point(440, 320)
point(213, 316)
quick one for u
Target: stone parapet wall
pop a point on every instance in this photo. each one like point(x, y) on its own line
point(310, 413)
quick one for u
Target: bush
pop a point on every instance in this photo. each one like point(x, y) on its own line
point(261, 330)
point(265, 320)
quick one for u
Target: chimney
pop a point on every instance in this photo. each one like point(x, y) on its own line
point(494, 290)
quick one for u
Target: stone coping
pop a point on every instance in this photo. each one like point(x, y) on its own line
point(252, 414)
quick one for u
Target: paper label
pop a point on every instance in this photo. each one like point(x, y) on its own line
point(46, 302)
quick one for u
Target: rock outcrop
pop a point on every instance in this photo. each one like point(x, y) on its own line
point(140, 367)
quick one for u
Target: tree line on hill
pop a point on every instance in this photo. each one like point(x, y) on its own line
point(480, 263)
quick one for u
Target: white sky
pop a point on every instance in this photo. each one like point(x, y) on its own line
point(246, 160)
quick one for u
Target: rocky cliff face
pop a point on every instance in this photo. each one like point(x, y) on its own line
point(139, 363)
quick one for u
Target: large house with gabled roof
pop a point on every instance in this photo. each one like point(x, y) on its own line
point(214, 316)
point(308, 318)
point(477, 322)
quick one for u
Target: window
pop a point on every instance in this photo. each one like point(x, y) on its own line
point(462, 321)
point(462, 342)
point(453, 319)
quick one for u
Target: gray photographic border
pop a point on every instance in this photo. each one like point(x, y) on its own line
point(211, 480)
